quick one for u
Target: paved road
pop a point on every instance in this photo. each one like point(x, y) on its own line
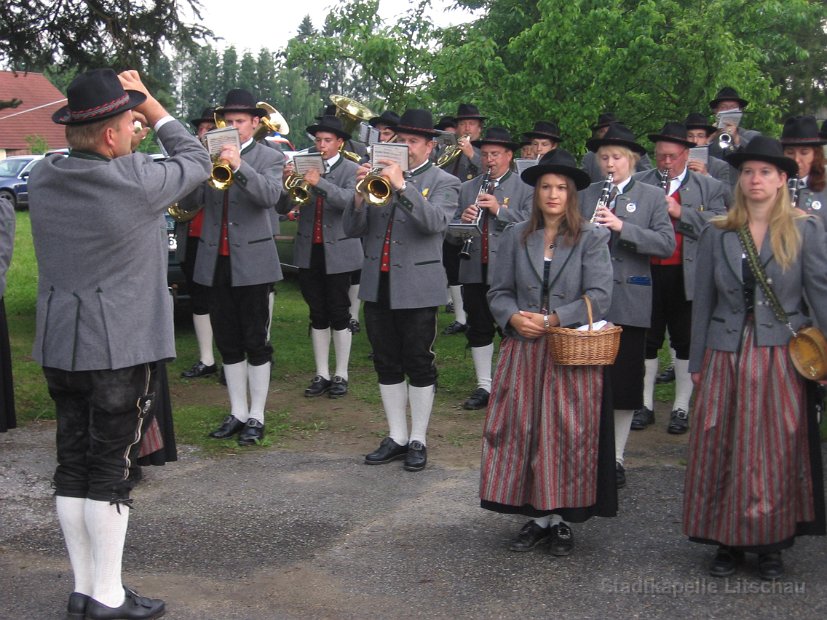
point(274, 534)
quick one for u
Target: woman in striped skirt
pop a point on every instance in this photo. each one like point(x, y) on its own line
point(754, 474)
point(547, 449)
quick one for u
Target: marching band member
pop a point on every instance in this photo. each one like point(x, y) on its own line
point(698, 131)
point(326, 257)
point(544, 137)
point(638, 219)
point(403, 282)
point(237, 258)
point(802, 143)
point(728, 100)
point(590, 163)
point(505, 201)
point(692, 199)
point(547, 449)
point(754, 472)
point(385, 124)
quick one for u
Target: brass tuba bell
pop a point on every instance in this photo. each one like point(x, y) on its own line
point(351, 113)
point(272, 123)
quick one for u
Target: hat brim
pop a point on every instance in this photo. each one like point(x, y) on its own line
point(378, 120)
point(596, 143)
point(657, 137)
point(820, 141)
point(580, 177)
point(417, 131)
point(64, 115)
point(314, 129)
point(710, 129)
point(742, 103)
point(472, 117)
point(784, 163)
point(260, 112)
point(513, 146)
point(543, 136)
point(197, 121)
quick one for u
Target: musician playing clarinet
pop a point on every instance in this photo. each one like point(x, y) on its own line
point(802, 142)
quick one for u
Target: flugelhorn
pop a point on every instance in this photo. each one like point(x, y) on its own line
point(375, 188)
point(605, 192)
point(298, 189)
point(221, 175)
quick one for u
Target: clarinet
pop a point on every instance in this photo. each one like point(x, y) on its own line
point(664, 180)
point(794, 185)
point(605, 192)
point(465, 251)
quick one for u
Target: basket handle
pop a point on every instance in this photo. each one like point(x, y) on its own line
point(589, 311)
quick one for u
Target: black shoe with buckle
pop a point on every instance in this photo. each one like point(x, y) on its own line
point(620, 475)
point(449, 307)
point(134, 607)
point(770, 566)
point(229, 427)
point(338, 387)
point(562, 540)
point(76, 608)
point(199, 369)
point(642, 418)
point(454, 328)
point(529, 537)
point(725, 561)
point(678, 422)
point(477, 400)
point(667, 376)
point(354, 326)
point(252, 434)
point(387, 451)
point(317, 387)
point(416, 458)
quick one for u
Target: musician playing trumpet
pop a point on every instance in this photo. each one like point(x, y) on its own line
point(506, 201)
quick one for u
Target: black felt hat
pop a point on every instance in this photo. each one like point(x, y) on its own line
point(604, 120)
point(469, 111)
point(801, 131)
point(672, 132)
point(696, 120)
point(207, 116)
point(617, 135)
point(498, 136)
point(418, 122)
point(762, 148)
point(331, 124)
point(94, 96)
point(546, 130)
point(388, 118)
point(558, 161)
point(727, 93)
point(241, 100)
point(445, 122)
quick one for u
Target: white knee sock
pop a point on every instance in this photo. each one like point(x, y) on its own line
point(321, 351)
point(649, 383)
point(555, 519)
point(623, 424)
point(355, 302)
point(459, 308)
point(543, 521)
point(342, 339)
point(236, 376)
point(71, 514)
point(271, 301)
point(258, 378)
point(683, 385)
point(483, 357)
point(395, 402)
point(422, 401)
point(203, 334)
point(107, 531)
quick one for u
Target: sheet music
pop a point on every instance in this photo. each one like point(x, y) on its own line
point(307, 162)
point(368, 134)
point(729, 118)
point(218, 138)
point(389, 151)
point(700, 153)
point(524, 163)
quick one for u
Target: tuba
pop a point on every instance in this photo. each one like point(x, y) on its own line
point(351, 113)
point(272, 123)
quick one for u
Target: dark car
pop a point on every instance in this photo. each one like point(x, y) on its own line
point(14, 174)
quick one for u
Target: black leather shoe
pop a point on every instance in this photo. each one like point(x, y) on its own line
point(725, 562)
point(134, 607)
point(317, 387)
point(416, 458)
point(229, 427)
point(562, 540)
point(642, 418)
point(529, 537)
point(338, 387)
point(449, 307)
point(454, 328)
point(252, 434)
point(354, 326)
point(667, 376)
point(770, 566)
point(387, 451)
point(678, 422)
point(620, 475)
point(76, 608)
point(199, 369)
point(477, 400)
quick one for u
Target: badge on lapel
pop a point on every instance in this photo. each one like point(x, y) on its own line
point(631, 207)
point(816, 205)
point(425, 192)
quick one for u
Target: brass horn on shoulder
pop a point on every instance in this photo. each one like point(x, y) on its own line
point(272, 123)
point(352, 114)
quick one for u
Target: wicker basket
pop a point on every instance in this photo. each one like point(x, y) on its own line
point(572, 347)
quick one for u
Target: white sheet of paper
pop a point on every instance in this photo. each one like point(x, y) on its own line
point(389, 151)
point(730, 117)
point(218, 138)
point(524, 163)
point(308, 161)
point(596, 326)
point(699, 153)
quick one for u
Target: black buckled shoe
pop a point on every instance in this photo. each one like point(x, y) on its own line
point(354, 326)
point(229, 427)
point(76, 608)
point(620, 475)
point(725, 561)
point(667, 376)
point(770, 566)
point(338, 387)
point(387, 451)
point(529, 537)
point(678, 422)
point(252, 434)
point(477, 400)
point(199, 369)
point(642, 418)
point(454, 328)
point(562, 540)
point(134, 607)
point(449, 307)
point(416, 458)
point(317, 387)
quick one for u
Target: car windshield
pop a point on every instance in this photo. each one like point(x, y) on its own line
point(12, 167)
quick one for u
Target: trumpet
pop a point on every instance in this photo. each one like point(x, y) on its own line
point(298, 189)
point(451, 153)
point(725, 141)
point(375, 188)
point(605, 192)
point(468, 242)
point(221, 175)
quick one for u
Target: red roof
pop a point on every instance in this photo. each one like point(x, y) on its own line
point(33, 117)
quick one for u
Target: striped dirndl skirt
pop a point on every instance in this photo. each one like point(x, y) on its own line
point(541, 436)
point(749, 479)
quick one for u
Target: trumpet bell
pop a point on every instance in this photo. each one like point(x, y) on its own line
point(221, 175)
point(376, 189)
point(350, 112)
point(298, 190)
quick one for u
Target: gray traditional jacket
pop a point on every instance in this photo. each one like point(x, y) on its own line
point(7, 225)
point(101, 244)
